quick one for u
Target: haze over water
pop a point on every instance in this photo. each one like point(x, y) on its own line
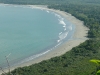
point(26, 33)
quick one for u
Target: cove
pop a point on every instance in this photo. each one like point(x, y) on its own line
point(27, 33)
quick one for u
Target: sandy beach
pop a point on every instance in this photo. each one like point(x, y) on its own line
point(78, 37)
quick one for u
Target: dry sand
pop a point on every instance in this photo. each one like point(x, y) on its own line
point(79, 37)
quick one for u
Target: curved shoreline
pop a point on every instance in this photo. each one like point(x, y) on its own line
point(79, 37)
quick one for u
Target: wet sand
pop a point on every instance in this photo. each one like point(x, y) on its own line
point(79, 37)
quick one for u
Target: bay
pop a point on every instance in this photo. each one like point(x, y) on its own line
point(26, 33)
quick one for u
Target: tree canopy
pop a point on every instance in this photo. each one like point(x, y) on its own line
point(76, 61)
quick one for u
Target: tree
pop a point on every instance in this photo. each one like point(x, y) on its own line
point(98, 66)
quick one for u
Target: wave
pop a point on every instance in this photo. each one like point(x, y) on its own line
point(60, 33)
point(34, 56)
point(57, 15)
point(48, 11)
point(58, 44)
point(31, 57)
point(40, 54)
point(62, 22)
point(37, 55)
point(34, 7)
point(63, 36)
point(64, 26)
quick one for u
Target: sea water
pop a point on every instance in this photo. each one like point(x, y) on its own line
point(27, 33)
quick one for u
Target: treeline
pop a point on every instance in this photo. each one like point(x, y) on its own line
point(48, 2)
point(76, 61)
point(87, 13)
point(34, 1)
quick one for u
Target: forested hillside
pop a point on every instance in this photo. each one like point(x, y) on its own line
point(76, 61)
point(47, 2)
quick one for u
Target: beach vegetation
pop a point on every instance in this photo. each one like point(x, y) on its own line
point(97, 62)
point(76, 61)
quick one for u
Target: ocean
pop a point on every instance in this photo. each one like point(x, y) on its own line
point(27, 33)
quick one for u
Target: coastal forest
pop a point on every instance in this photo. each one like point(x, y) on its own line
point(77, 60)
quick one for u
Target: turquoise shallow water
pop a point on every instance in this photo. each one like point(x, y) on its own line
point(26, 33)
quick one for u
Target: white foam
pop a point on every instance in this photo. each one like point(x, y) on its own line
point(35, 7)
point(34, 56)
point(38, 55)
point(58, 44)
point(48, 11)
point(62, 36)
point(58, 16)
point(58, 40)
point(62, 22)
point(60, 33)
point(64, 26)
point(8, 55)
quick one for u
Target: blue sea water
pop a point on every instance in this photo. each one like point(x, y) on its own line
point(27, 33)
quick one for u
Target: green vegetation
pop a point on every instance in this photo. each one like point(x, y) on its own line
point(98, 72)
point(97, 62)
point(87, 13)
point(76, 61)
point(48, 2)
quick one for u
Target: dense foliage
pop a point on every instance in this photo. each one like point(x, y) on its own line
point(47, 2)
point(87, 13)
point(76, 61)
point(97, 62)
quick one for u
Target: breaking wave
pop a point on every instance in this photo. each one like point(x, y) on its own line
point(62, 36)
point(37, 55)
point(62, 22)
point(48, 11)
